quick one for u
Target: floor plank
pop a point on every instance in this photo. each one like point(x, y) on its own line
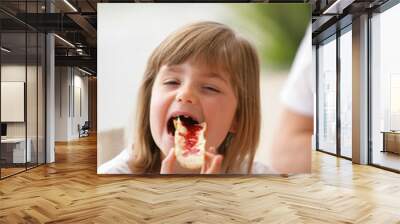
point(69, 191)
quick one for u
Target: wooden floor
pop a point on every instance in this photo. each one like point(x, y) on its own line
point(10, 171)
point(69, 191)
point(388, 159)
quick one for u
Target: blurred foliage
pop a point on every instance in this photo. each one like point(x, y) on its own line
point(280, 29)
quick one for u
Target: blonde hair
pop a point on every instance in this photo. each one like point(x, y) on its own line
point(218, 46)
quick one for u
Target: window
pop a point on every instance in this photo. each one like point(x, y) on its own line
point(385, 89)
point(346, 93)
point(327, 96)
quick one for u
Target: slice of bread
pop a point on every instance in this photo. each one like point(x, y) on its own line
point(190, 144)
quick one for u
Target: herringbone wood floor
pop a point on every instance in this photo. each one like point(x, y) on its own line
point(69, 191)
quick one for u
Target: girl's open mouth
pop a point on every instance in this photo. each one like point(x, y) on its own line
point(187, 121)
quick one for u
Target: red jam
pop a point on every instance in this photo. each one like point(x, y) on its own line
point(191, 139)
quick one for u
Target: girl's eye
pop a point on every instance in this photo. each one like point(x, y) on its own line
point(171, 82)
point(211, 88)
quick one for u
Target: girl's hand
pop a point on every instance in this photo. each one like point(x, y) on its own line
point(212, 163)
point(169, 164)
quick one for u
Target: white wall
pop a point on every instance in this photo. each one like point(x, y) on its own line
point(80, 83)
point(61, 103)
point(68, 81)
point(11, 73)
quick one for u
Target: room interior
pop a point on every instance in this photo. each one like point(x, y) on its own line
point(49, 127)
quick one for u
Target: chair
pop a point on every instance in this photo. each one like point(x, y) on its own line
point(84, 130)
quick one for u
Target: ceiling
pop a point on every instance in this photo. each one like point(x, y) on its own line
point(76, 22)
point(329, 16)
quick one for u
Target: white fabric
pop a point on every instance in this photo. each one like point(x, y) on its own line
point(119, 165)
point(298, 92)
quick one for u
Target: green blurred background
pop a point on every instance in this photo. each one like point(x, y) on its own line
point(278, 30)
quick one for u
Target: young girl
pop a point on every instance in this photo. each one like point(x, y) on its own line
point(208, 72)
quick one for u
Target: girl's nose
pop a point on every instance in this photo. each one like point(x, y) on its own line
point(186, 96)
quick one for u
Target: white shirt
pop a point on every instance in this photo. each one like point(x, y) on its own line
point(298, 92)
point(119, 165)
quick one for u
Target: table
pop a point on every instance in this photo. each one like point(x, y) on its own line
point(13, 150)
point(391, 141)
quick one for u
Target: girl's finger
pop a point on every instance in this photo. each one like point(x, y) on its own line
point(212, 163)
point(215, 167)
point(167, 165)
point(208, 157)
point(207, 160)
point(212, 150)
point(204, 167)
